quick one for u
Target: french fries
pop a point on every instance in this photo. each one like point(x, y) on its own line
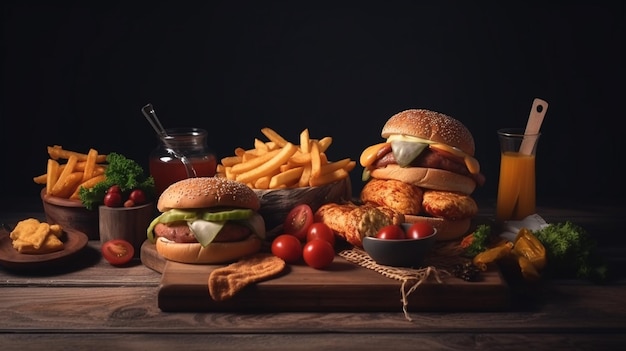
point(79, 170)
point(57, 152)
point(278, 163)
point(80, 167)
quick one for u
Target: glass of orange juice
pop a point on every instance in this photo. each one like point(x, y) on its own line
point(516, 184)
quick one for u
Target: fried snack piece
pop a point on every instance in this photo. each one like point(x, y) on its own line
point(34, 237)
point(402, 197)
point(396, 216)
point(449, 205)
point(226, 281)
point(492, 255)
point(351, 222)
point(336, 217)
point(51, 244)
point(24, 228)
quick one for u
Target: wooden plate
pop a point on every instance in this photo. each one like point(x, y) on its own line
point(73, 241)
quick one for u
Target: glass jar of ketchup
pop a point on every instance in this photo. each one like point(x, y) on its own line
point(165, 164)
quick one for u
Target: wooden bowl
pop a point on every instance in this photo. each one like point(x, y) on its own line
point(127, 223)
point(71, 215)
point(276, 204)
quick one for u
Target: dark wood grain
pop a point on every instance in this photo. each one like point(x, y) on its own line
point(343, 286)
point(574, 309)
point(73, 242)
point(166, 341)
point(90, 304)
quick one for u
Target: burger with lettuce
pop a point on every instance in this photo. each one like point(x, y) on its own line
point(207, 220)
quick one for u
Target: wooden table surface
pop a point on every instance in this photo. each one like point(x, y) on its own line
point(93, 305)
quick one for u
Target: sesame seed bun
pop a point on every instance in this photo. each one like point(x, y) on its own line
point(207, 192)
point(430, 125)
point(233, 240)
point(427, 174)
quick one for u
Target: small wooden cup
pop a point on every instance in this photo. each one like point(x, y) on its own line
point(128, 223)
point(70, 214)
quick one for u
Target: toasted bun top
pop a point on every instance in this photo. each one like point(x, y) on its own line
point(430, 125)
point(205, 192)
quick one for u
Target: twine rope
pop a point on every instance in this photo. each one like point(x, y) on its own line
point(405, 275)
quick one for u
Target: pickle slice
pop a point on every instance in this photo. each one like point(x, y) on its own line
point(228, 215)
point(176, 215)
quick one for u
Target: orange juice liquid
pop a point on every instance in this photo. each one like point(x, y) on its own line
point(516, 186)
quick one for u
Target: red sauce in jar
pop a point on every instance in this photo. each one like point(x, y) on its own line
point(191, 142)
point(166, 171)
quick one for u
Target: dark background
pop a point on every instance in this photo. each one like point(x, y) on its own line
point(77, 75)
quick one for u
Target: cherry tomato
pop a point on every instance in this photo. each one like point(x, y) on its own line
point(137, 196)
point(298, 221)
point(322, 231)
point(391, 231)
point(419, 230)
point(117, 251)
point(113, 199)
point(129, 203)
point(318, 253)
point(114, 189)
point(287, 247)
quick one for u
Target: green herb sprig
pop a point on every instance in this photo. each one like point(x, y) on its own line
point(571, 252)
point(126, 173)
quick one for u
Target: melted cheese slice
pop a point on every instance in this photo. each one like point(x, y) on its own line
point(368, 156)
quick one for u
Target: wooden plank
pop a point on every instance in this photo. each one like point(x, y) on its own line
point(342, 287)
point(150, 258)
point(313, 341)
point(572, 308)
point(85, 269)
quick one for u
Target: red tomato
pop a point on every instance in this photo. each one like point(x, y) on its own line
point(114, 189)
point(113, 199)
point(117, 251)
point(391, 231)
point(322, 231)
point(318, 253)
point(298, 221)
point(287, 247)
point(419, 230)
point(137, 196)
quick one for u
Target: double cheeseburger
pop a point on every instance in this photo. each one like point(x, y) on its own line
point(207, 220)
point(425, 169)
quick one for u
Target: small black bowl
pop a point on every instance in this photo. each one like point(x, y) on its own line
point(399, 252)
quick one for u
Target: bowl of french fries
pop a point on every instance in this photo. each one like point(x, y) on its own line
point(285, 174)
point(66, 172)
point(70, 214)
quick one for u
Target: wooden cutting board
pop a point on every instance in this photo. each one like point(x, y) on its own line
point(344, 286)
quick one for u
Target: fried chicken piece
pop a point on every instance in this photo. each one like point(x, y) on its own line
point(449, 205)
point(400, 196)
point(351, 222)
